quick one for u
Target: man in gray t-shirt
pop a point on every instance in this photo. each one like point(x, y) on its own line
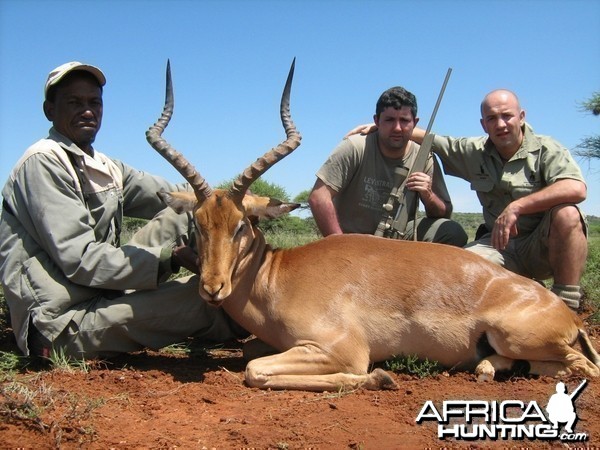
point(529, 187)
point(355, 181)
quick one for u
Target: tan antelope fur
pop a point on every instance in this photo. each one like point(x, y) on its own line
point(337, 305)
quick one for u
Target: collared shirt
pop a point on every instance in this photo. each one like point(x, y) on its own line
point(59, 233)
point(539, 162)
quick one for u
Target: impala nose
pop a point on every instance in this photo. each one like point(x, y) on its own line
point(211, 293)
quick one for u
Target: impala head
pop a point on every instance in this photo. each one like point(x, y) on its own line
point(223, 217)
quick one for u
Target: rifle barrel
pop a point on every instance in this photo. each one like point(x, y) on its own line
point(439, 100)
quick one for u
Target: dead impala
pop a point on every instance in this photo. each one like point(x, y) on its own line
point(336, 305)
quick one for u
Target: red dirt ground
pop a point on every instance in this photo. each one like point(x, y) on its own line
point(159, 400)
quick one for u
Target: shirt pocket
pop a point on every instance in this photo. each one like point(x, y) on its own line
point(522, 188)
point(484, 185)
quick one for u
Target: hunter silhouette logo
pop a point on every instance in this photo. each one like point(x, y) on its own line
point(560, 406)
point(509, 419)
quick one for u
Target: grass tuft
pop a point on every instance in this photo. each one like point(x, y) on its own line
point(413, 365)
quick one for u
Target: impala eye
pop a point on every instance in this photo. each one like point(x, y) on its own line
point(240, 228)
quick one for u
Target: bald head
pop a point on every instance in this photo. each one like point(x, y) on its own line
point(502, 119)
point(500, 95)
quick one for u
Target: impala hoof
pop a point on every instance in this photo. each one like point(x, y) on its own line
point(379, 379)
point(485, 371)
point(483, 377)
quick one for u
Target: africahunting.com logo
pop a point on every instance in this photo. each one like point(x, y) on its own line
point(509, 419)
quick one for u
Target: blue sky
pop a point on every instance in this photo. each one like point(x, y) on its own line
point(230, 60)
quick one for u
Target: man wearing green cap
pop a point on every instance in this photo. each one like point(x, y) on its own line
point(68, 281)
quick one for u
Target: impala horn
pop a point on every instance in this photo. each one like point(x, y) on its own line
point(248, 176)
point(264, 163)
point(177, 160)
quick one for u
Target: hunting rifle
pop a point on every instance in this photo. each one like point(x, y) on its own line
point(402, 202)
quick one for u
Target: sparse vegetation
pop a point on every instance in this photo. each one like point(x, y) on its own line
point(10, 362)
point(589, 147)
point(469, 221)
point(177, 349)
point(61, 362)
point(21, 400)
point(412, 365)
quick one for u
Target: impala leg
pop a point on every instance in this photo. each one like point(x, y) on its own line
point(487, 367)
point(549, 368)
point(309, 368)
point(573, 362)
point(255, 348)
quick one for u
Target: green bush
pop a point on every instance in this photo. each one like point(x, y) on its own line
point(413, 365)
point(469, 221)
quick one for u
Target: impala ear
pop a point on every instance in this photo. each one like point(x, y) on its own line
point(266, 207)
point(179, 201)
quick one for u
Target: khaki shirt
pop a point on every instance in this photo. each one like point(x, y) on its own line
point(363, 179)
point(539, 162)
point(59, 233)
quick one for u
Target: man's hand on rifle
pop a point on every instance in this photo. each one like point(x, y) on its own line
point(422, 184)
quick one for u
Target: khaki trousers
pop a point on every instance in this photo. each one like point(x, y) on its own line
point(527, 255)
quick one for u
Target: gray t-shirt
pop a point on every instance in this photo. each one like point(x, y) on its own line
point(363, 179)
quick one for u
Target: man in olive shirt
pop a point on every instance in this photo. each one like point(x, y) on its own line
point(529, 187)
